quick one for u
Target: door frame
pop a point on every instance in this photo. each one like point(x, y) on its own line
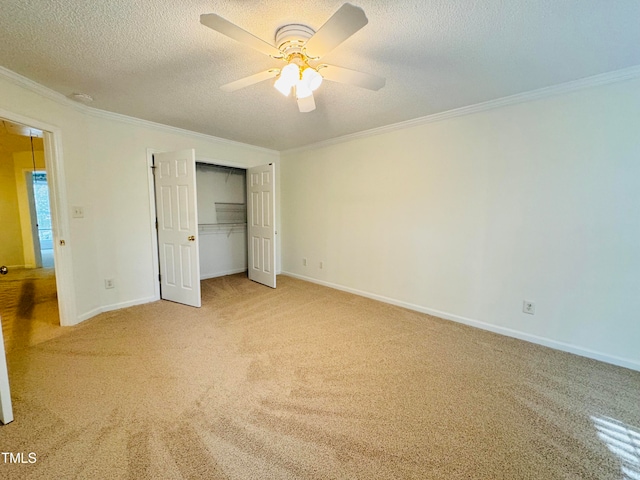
point(152, 209)
point(58, 204)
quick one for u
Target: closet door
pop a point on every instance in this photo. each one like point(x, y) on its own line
point(175, 179)
point(261, 224)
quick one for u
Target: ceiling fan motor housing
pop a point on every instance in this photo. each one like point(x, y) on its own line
point(290, 39)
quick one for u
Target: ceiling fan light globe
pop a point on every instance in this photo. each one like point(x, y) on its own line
point(303, 90)
point(291, 73)
point(283, 86)
point(312, 78)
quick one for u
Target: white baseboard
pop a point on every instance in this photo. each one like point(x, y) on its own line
point(222, 274)
point(113, 306)
point(547, 342)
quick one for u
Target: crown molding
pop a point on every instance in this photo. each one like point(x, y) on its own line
point(539, 94)
point(59, 98)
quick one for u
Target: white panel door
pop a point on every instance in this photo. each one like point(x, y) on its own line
point(261, 224)
point(177, 216)
point(6, 411)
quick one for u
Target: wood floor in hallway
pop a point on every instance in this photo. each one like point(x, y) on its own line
point(28, 307)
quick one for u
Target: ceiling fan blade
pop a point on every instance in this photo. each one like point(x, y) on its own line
point(344, 23)
point(351, 77)
point(231, 30)
point(245, 82)
point(307, 104)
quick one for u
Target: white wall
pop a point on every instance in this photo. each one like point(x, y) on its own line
point(467, 217)
point(223, 250)
point(105, 166)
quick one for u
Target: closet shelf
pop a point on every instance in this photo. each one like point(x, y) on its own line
point(231, 212)
point(222, 228)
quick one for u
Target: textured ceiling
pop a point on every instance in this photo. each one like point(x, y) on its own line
point(155, 61)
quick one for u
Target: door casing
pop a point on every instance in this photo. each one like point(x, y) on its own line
point(54, 164)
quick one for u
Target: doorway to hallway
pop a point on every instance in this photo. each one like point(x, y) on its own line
point(28, 292)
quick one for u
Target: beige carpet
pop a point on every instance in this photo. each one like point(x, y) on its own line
point(308, 382)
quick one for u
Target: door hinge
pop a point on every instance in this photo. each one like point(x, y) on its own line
point(156, 223)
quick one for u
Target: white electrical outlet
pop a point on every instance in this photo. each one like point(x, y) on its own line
point(109, 283)
point(304, 262)
point(78, 212)
point(528, 307)
point(321, 265)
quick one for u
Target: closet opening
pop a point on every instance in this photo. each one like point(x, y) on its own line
point(222, 219)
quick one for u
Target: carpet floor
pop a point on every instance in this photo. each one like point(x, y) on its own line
point(307, 382)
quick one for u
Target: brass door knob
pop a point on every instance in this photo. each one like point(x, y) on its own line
point(191, 238)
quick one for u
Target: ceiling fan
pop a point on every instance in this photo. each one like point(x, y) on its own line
point(301, 48)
